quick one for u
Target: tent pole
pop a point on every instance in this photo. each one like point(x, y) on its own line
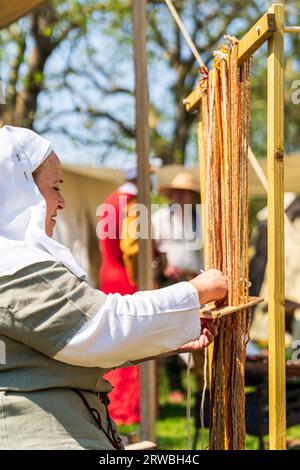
point(145, 278)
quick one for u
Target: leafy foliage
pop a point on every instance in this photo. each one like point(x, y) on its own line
point(68, 69)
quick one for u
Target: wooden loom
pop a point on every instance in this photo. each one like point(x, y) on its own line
point(269, 28)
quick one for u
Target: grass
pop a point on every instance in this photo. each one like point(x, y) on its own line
point(172, 425)
point(172, 430)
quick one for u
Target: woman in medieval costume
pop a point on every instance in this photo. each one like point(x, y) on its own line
point(60, 336)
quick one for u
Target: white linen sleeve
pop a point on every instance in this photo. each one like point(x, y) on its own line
point(132, 327)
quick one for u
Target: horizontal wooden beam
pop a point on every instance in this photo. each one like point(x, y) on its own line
point(292, 29)
point(213, 312)
point(192, 101)
point(11, 11)
point(256, 36)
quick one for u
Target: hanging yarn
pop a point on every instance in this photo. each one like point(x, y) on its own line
point(225, 116)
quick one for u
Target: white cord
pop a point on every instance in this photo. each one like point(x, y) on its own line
point(203, 399)
point(189, 401)
point(186, 35)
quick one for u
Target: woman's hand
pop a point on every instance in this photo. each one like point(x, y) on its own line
point(209, 330)
point(211, 285)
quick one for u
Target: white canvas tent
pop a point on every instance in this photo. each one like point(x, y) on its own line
point(86, 187)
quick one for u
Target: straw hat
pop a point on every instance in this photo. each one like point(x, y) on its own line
point(184, 180)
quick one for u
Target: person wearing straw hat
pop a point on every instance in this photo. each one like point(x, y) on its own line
point(58, 335)
point(177, 227)
point(177, 233)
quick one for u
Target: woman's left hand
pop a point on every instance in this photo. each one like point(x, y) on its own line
point(209, 330)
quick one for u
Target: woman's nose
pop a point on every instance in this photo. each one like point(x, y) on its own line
point(61, 202)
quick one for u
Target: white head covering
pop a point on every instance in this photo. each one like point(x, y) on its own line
point(23, 240)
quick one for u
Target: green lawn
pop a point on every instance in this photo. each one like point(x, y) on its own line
point(172, 430)
point(172, 425)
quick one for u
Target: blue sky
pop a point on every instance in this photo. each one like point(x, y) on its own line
point(160, 77)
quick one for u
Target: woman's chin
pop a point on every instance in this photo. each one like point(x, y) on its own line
point(50, 228)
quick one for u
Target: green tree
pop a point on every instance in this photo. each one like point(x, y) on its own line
point(69, 70)
point(258, 122)
point(27, 45)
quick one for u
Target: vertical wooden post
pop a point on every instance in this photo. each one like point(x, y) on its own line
point(147, 370)
point(276, 296)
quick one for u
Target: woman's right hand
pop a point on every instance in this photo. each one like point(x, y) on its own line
point(211, 285)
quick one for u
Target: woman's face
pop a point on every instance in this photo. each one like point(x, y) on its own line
point(48, 177)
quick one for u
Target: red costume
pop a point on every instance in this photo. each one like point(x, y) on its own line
point(125, 398)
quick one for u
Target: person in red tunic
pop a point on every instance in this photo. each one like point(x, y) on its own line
point(118, 275)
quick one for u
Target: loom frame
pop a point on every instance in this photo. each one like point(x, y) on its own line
point(269, 28)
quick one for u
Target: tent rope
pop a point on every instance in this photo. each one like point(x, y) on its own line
point(186, 35)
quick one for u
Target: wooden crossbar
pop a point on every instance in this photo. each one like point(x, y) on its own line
point(292, 29)
point(256, 36)
point(192, 101)
point(251, 42)
point(213, 312)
